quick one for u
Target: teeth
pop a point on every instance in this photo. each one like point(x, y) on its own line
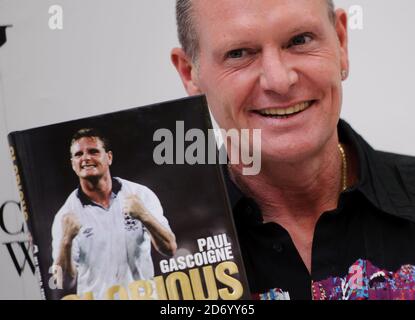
point(285, 111)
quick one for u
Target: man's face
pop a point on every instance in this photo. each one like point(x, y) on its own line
point(89, 158)
point(273, 65)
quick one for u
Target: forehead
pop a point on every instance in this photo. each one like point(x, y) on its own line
point(220, 19)
point(87, 143)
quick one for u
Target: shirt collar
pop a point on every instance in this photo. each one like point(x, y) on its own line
point(85, 201)
point(383, 178)
point(387, 180)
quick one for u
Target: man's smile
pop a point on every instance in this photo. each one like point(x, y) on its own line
point(88, 166)
point(285, 112)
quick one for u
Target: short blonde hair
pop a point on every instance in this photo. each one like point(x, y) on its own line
point(187, 32)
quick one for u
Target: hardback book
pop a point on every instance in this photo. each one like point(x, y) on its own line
point(130, 205)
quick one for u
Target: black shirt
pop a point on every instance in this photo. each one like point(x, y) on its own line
point(364, 249)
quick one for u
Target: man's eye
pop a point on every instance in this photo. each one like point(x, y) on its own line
point(300, 40)
point(235, 54)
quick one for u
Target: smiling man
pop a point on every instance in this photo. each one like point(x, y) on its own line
point(325, 217)
point(102, 234)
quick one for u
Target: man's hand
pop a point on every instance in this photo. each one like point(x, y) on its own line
point(162, 238)
point(135, 208)
point(70, 226)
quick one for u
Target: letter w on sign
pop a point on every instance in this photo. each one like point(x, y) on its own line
point(20, 246)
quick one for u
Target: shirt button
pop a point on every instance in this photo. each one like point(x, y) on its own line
point(278, 247)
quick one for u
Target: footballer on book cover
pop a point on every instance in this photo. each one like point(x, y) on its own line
point(130, 205)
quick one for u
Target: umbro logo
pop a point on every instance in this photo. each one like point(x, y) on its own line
point(130, 223)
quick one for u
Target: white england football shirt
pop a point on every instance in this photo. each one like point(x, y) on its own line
point(111, 248)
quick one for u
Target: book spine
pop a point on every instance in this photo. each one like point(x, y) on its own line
point(24, 205)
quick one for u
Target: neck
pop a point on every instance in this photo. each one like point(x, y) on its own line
point(288, 192)
point(295, 194)
point(98, 189)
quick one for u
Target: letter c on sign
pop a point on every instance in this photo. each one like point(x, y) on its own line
point(2, 223)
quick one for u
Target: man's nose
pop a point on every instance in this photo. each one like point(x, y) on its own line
point(86, 156)
point(277, 75)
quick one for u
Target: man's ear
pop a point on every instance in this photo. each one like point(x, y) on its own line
point(187, 71)
point(110, 157)
point(341, 30)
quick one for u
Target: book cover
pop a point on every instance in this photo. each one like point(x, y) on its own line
point(130, 205)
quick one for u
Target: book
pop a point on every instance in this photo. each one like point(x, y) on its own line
point(130, 205)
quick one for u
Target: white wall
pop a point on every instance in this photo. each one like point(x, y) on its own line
point(112, 54)
point(378, 94)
